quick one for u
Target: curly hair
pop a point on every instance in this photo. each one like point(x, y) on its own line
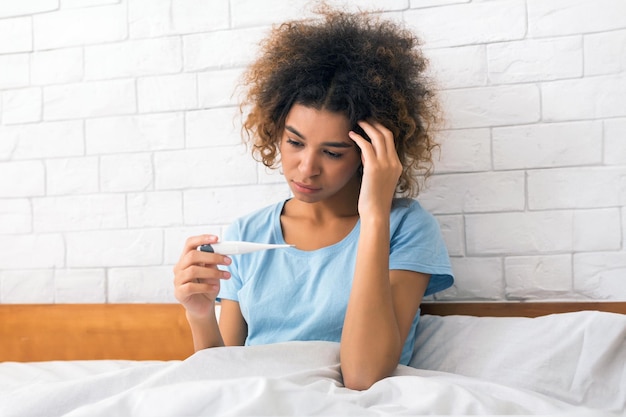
point(352, 63)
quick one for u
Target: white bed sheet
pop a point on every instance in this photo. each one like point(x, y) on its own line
point(303, 378)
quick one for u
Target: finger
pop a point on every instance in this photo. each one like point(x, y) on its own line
point(375, 134)
point(192, 288)
point(196, 273)
point(203, 272)
point(197, 257)
point(367, 151)
point(191, 244)
point(194, 241)
point(387, 134)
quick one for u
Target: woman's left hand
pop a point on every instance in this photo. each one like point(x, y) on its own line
point(381, 168)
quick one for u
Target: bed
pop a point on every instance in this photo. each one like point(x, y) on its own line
point(470, 358)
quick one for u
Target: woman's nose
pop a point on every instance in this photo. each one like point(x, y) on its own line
point(309, 164)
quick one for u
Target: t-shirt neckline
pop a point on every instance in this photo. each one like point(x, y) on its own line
point(279, 237)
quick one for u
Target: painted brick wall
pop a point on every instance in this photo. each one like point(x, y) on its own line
point(118, 140)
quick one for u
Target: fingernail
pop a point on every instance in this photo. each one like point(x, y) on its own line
point(227, 260)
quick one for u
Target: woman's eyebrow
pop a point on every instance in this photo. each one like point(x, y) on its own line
point(294, 131)
point(331, 144)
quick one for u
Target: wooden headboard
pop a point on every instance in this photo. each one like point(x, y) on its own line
point(30, 332)
point(43, 332)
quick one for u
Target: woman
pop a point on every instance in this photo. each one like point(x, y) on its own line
point(342, 106)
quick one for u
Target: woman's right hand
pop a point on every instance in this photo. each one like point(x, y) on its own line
point(197, 278)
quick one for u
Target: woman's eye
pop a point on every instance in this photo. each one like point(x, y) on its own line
point(294, 142)
point(333, 154)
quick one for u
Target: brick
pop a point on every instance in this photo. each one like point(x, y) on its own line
point(564, 17)
point(152, 18)
point(586, 98)
point(114, 248)
point(615, 141)
point(213, 127)
point(155, 209)
point(80, 27)
point(218, 88)
point(133, 58)
point(475, 279)
point(464, 150)
point(416, 4)
point(269, 176)
point(16, 216)
point(15, 69)
point(199, 15)
point(21, 8)
point(204, 168)
point(535, 60)
point(474, 192)
point(491, 106)
point(16, 35)
point(623, 227)
point(92, 99)
point(43, 140)
point(126, 172)
point(605, 53)
point(538, 277)
point(27, 287)
point(80, 286)
point(31, 177)
point(57, 66)
point(69, 4)
point(150, 132)
point(595, 230)
point(506, 21)
point(73, 213)
point(72, 176)
point(175, 238)
point(600, 275)
point(221, 49)
point(592, 187)
point(519, 233)
point(246, 13)
point(224, 205)
point(167, 93)
point(459, 67)
point(141, 285)
point(547, 145)
point(149, 18)
point(452, 230)
point(35, 251)
point(375, 6)
point(21, 106)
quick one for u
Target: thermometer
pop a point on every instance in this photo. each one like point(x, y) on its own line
point(237, 248)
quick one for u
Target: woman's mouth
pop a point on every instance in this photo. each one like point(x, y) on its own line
point(305, 188)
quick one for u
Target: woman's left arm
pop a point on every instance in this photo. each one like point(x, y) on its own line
point(382, 303)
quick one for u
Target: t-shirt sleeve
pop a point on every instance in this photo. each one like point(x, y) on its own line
point(417, 245)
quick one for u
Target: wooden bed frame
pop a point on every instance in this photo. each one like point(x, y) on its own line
point(30, 332)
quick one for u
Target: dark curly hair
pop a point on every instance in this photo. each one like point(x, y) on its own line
point(352, 63)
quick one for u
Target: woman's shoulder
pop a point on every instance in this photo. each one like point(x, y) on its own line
point(408, 207)
point(407, 214)
point(261, 215)
point(258, 224)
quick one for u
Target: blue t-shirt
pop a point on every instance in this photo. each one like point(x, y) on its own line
point(289, 294)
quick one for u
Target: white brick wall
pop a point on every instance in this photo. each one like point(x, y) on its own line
point(119, 138)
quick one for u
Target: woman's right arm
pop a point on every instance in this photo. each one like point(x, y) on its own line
point(196, 286)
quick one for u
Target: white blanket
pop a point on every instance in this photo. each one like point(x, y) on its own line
point(296, 378)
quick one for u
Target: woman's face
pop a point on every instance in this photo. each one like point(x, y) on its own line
point(318, 157)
